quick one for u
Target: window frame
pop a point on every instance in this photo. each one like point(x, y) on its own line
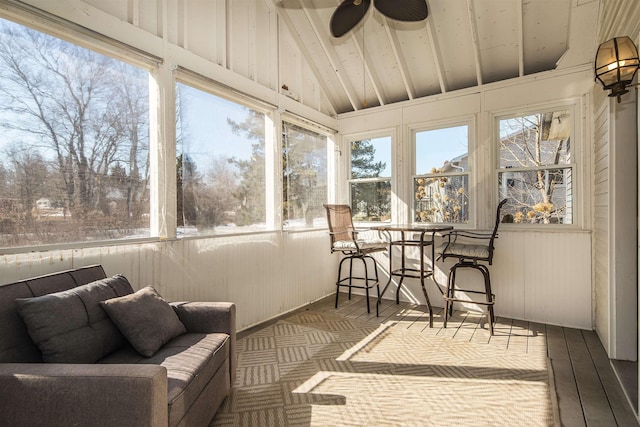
point(84, 38)
point(473, 193)
point(574, 107)
point(347, 140)
point(310, 126)
point(211, 87)
point(369, 136)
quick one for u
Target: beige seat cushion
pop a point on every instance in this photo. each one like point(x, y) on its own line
point(347, 245)
point(464, 250)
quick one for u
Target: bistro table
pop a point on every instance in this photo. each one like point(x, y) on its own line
point(412, 235)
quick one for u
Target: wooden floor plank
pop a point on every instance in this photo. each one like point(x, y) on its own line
point(519, 336)
point(422, 325)
point(501, 333)
point(415, 317)
point(595, 405)
point(569, 404)
point(537, 339)
point(618, 402)
point(468, 327)
point(453, 323)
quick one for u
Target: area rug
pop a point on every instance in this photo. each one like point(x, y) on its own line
point(320, 369)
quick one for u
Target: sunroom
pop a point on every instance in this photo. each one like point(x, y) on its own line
point(190, 145)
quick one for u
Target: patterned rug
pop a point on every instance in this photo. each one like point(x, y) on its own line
point(320, 369)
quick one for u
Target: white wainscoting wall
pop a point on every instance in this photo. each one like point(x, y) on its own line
point(542, 277)
point(264, 274)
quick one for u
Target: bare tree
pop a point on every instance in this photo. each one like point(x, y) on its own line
point(83, 110)
point(537, 148)
point(31, 175)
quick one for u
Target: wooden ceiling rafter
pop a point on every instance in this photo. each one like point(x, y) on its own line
point(330, 53)
point(475, 45)
point(369, 71)
point(402, 64)
point(520, 38)
point(437, 56)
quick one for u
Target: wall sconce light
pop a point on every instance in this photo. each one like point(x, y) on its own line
point(616, 65)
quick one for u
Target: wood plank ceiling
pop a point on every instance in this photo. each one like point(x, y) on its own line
point(462, 44)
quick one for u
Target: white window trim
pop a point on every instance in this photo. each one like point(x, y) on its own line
point(394, 178)
point(577, 108)
point(332, 154)
point(77, 35)
point(470, 122)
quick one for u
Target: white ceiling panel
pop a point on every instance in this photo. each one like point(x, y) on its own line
point(462, 44)
point(453, 33)
point(499, 39)
point(546, 33)
point(416, 51)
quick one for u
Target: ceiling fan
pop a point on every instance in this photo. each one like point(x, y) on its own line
point(350, 12)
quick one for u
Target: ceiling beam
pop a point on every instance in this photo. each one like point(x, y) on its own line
point(221, 32)
point(359, 40)
point(437, 56)
point(520, 38)
point(402, 64)
point(473, 27)
point(329, 52)
point(252, 45)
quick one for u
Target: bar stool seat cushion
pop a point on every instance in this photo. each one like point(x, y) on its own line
point(465, 250)
point(348, 245)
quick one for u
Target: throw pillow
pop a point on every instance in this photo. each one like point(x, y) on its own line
point(70, 326)
point(145, 319)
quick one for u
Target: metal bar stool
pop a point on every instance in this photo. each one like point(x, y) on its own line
point(344, 238)
point(470, 255)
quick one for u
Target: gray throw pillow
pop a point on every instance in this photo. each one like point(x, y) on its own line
point(70, 326)
point(145, 319)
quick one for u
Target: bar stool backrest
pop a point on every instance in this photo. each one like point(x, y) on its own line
point(340, 222)
point(494, 234)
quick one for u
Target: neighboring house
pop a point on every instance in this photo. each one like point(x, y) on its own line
point(44, 209)
point(444, 197)
point(43, 203)
point(533, 173)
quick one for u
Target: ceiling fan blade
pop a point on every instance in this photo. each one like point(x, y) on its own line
point(347, 16)
point(403, 10)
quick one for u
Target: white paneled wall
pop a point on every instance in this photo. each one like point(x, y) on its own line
point(541, 277)
point(265, 274)
point(601, 220)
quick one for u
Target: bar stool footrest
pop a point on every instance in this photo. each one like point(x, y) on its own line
point(372, 282)
point(454, 299)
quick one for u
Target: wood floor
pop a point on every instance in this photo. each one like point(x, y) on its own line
point(587, 389)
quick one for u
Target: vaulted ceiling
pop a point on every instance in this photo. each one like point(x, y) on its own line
point(462, 44)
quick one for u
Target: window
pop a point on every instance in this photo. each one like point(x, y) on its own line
point(535, 167)
point(220, 164)
point(441, 183)
point(74, 145)
point(304, 173)
point(370, 182)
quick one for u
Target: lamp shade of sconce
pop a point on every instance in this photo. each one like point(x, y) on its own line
point(616, 65)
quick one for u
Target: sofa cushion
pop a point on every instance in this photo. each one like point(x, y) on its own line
point(145, 319)
point(192, 360)
point(70, 326)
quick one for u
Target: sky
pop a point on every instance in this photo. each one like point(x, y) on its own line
point(433, 148)
point(207, 133)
